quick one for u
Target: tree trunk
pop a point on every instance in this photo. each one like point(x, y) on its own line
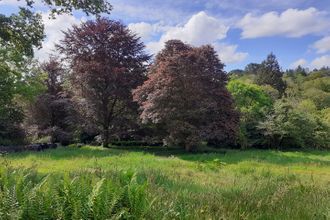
point(106, 137)
point(187, 148)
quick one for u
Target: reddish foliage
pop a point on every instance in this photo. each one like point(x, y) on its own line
point(107, 62)
point(186, 92)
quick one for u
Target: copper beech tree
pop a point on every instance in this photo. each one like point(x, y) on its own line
point(186, 92)
point(107, 62)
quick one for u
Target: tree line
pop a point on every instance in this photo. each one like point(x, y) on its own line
point(104, 87)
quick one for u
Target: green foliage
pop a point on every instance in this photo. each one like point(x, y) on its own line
point(251, 184)
point(270, 73)
point(317, 90)
point(299, 119)
point(90, 7)
point(11, 115)
point(293, 125)
point(21, 32)
point(253, 103)
point(26, 195)
point(249, 98)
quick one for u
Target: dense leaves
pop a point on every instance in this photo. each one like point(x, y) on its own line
point(299, 116)
point(254, 104)
point(107, 61)
point(21, 32)
point(289, 127)
point(186, 92)
point(95, 92)
point(25, 194)
point(11, 115)
point(53, 111)
point(269, 73)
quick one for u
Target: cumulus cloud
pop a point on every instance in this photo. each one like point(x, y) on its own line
point(199, 30)
point(147, 31)
point(290, 23)
point(228, 54)
point(143, 29)
point(53, 32)
point(323, 45)
point(300, 62)
point(319, 62)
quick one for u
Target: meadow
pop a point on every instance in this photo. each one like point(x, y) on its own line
point(153, 183)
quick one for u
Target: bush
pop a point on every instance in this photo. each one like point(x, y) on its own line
point(290, 127)
point(12, 136)
point(62, 137)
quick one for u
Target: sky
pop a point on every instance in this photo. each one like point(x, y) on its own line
point(241, 31)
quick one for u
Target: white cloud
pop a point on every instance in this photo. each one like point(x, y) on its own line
point(199, 30)
point(228, 54)
point(146, 31)
point(319, 62)
point(323, 45)
point(290, 23)
point(300, 62)
point(53, 31)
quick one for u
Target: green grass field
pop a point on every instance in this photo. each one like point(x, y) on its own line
point(231, 184)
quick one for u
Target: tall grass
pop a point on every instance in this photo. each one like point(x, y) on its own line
point(26, 195)
point(96, 183)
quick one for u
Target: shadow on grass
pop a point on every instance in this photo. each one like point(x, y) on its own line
point(68, 153)
point(237, 156)
point(222, 155)
point(263, 156)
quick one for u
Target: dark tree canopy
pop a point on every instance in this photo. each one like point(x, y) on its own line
point(53, 111)
point(270, 73)
point(20, 34)
point(252, 68)
point(107, 62)
point(186, 92)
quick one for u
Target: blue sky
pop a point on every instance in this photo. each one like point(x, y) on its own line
point(242, 31)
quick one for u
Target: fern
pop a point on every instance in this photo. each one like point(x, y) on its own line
point(26, 195)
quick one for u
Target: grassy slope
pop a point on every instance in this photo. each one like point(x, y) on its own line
point(235, 185)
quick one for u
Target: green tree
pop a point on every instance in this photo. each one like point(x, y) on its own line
point(290, 126)
point(252, 68)
point(253, 104)
point(317, 90)
point(24, 31)
point(19, 80)
point(10, 114)
point(270, 73)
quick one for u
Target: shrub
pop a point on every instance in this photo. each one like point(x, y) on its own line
point(62, 137)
